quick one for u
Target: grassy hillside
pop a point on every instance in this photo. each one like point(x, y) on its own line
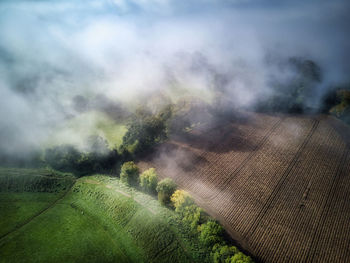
point(97, 220)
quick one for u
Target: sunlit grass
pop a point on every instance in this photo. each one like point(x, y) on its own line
point(77, 130)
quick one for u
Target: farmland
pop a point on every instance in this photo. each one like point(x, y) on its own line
point(48, 217)
point(278, 183)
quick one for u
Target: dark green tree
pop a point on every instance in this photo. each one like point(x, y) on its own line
point(165, 189)
point(148, 180)
point(129, 173)
point(211, 233)
point(223, 253)
point(146, 130)
point(63, 157)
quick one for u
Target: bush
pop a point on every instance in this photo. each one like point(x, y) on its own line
point(165, 189)
point(180, 199)
point(96, 157)
point(193, 216)
point(223, 253)
point(146, 130)
point(148, 180)
point(129, 173)
point(211, 233)
point(190, 212)
point(64, 157)
point(239, 258)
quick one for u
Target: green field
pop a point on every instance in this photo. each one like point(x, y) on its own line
point(98, 219)
point(77, 130)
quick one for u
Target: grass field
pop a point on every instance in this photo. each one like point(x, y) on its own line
point(77, 130)
point(97, 220)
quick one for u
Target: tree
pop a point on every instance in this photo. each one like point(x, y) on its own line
point(223, 253)
point(193, 216)
point(180, 200)
point(148, 180)
point(190, 212)
point(64, 157)
point(165, 189)
point(145, 130)
point(293, 93)
point(239, 258)
point(129, 173)
point(211, 233)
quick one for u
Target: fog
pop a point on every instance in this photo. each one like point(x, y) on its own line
point(125, 50)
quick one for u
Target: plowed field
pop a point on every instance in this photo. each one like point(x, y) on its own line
point(280, 184)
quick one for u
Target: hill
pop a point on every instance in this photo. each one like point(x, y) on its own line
point(48, 217)
point(278, 183)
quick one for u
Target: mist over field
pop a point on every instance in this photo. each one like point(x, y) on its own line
point(52, 52)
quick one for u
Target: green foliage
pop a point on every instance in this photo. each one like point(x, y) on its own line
point(180, 200)
point(64, 157)
point(129, 173)
point(239, 258)
point(148, 180)
point(165, 189)
point(96, 158)
point(342, 109)
point(293, 94)
point(146, 130)
point(128, 226)
point(33, 180)
point(222, 253)
point(229, 254)
point(191, 214)
point(210, 233)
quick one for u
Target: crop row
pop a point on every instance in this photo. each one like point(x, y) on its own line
point(296, 214)
point(333, 234)
point(219, 164)
point(246, 195)
point(285, 193)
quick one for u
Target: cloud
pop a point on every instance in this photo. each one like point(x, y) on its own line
point(51, 51)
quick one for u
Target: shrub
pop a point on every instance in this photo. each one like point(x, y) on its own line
point(223, 253)
point(190, 212)
point(148, 180)
point(129, 173)
point(180, 199)
point(146, 130)
point(239, 258)
point(193, 216)
point(165, 189)
point(96, 157)
point(211, 233)
point(64, 157)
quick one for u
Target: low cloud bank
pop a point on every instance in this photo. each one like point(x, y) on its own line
point(53, 51)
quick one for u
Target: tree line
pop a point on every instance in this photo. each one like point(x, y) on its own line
point(199, 224)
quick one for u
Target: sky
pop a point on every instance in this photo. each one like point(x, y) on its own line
point(52, 51)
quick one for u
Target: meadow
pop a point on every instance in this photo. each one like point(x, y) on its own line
point(92, 219)
point(78, 129)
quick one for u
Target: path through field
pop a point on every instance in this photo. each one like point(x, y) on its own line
point(279, 184)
